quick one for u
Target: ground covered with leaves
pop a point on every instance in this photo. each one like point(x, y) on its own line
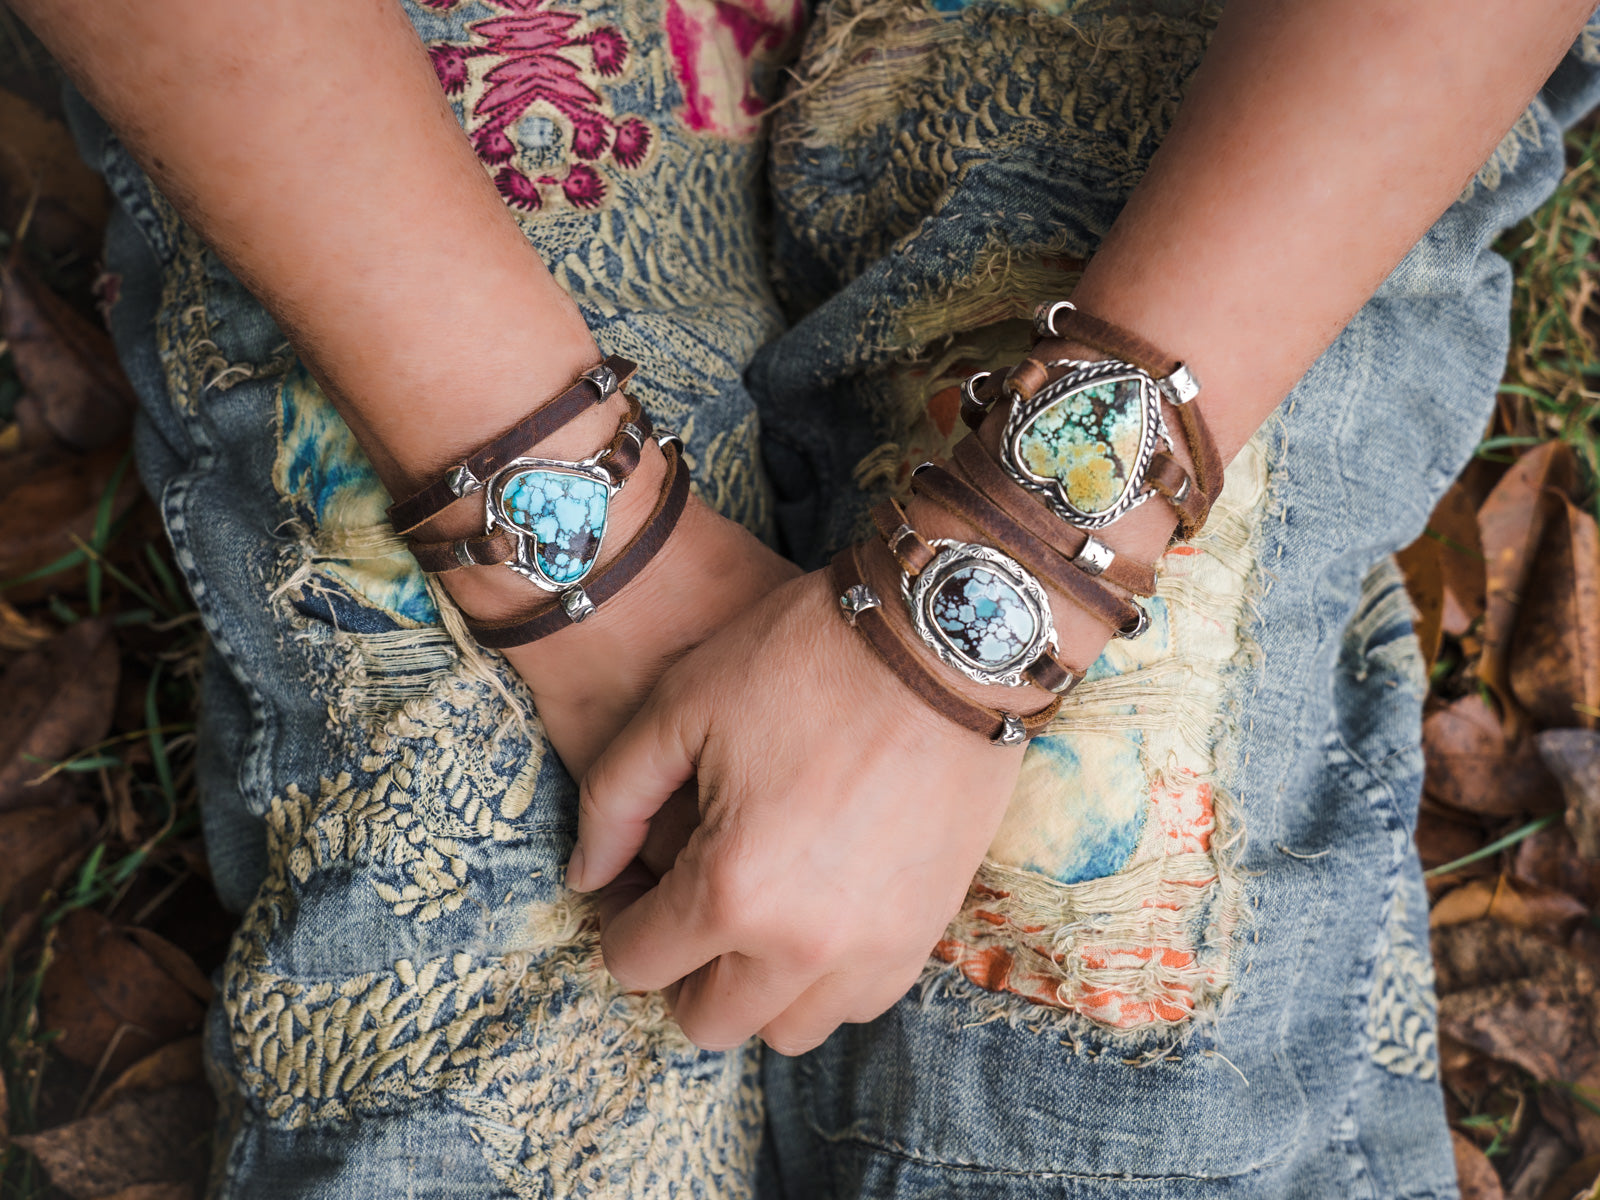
point(109, 931)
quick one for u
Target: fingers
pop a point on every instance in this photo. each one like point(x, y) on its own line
point(646, 763)
point(723, 1004)
point(662, 936)
point(834, 1000)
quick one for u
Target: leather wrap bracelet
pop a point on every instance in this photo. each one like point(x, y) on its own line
point(501, 544)
point(863, 610)
point(594, 386)
point(1110, 412)
point(1007, 581)
point(577, 603)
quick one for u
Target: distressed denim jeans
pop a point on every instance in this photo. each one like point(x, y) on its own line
point(1194, 963)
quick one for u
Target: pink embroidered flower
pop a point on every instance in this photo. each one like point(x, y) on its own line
point(583, 187)
point(589, 136)
point(632, 144)
point(610, 51)
point(450, 65)
point(517, 189)
point(540, 61)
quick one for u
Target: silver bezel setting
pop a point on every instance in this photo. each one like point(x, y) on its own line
point(1082, 375)
point(952, 555)
point(525, 561)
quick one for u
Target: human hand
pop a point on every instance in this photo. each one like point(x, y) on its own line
point(841, 823)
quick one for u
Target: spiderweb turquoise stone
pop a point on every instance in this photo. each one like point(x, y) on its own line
point(983, 616)
point(1088, 441)
point(564, 514)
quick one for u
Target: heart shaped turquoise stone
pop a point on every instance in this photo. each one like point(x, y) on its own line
point(1088, 442)
point(564, 514)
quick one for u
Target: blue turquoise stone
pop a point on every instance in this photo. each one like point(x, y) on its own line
point(1088, 441)
point(983, 616)
point(564, 514)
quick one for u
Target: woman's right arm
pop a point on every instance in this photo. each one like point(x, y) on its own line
point(310, 144)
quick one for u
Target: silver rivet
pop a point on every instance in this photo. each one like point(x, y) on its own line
point(462, 481)
point(856, 600)
point(969, 388)
point(1012, 731)
point(1182, 494)
point(1139, 625)
point(604, 378)
point(1095, 556)
point(1068, 684)
point(1181, 386)
point(463, 555)
point(665, 438)
point(1044, 317)
point(578, 605)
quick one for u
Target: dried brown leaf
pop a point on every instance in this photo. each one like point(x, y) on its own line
point(1453, 527)
point(1510, 523)
point(37, 157)
point(1580, 1181)
point(153, 1191)
point(1573, 757)
point(1444, 835)
point(174, 962)
point(49, 506)
point(111, 1001)
point(1554, 667)
point(54, 701)
point(32, 842)
point(65, 361)
point(1525, 1001)
point(1541, 1160)
point(1507, 900)
point(145, 1138)
point(1474, 1172)
point(175, 1063)
point(1550, 859)
point(1421, 565)
point(1472, 766)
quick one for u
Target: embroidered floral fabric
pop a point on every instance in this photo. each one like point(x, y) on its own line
point(1190, 964)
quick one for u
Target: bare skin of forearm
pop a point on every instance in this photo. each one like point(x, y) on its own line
point(310, 144)
point(1316, 143)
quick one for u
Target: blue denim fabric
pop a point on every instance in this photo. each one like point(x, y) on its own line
point(415, 1006)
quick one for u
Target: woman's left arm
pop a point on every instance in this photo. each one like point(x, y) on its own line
point(842, 823)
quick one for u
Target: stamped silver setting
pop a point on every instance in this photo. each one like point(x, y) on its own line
point(1095, 557)
point(1080, 377)
point(926, 595)
point(1181, 386)
point(856, 600)
point(526, 560)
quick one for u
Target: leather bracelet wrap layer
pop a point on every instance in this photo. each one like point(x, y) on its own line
point(862, 609)
point(1045, 556)
point(593, 387)
point(618, 460)
point(914, 553)
point(603, 583)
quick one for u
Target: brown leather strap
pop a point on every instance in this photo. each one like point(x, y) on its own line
point(606, 581)
point(1048, 671)
point(420, 507)
point(909, 548)
point(1074, 327)
point(905, 662)
point(619, 460)
point(1167, 476)
point(964, 502)
point(1021, 506)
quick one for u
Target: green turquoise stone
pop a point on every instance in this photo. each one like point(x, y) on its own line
point(983, 616)
point(1088, 442)
point(564, 514)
